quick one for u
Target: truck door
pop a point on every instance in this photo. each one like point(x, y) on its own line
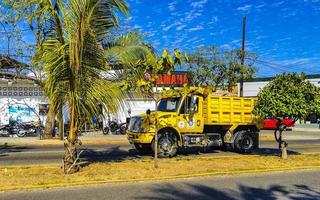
point(190, 119)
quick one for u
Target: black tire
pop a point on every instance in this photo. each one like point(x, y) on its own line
point(244, 142)
point(123, 129)
point(21, 133)
point(105, 130)
point(142, 149)
point(167, 145)
point(113, 126)
point(5, 132)
point(227, 147)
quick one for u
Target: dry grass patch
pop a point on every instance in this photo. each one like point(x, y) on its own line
point(133, 170)
point(54, 142)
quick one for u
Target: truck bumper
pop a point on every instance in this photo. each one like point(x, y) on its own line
point(141, 138)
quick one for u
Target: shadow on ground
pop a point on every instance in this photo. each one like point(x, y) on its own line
point(272, 152)
point(108, 155)
point(4, 149)
point(203, 192)
point(117, 154)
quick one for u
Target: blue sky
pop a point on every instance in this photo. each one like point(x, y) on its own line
point(285, 34)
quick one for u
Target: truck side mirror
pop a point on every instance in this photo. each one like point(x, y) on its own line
point(148, 112)
point(193, 104)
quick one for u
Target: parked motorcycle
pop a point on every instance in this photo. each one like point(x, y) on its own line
point(29, 128)
point(9, 130)
point(21, 129)
point(114, 127)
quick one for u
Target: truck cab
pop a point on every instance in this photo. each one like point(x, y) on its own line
point(196, 117)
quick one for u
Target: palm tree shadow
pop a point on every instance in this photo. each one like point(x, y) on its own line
point(272, 152)
point(4, 149)
point(204, 192)
point(114, 154)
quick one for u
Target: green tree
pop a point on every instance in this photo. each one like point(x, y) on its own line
point(74, 60)
point(207, 68)
point(287, 96)
point(235, 71)
point(221, 70)
point(36, 15)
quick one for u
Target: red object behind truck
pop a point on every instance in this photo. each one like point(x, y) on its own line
point(272, 123)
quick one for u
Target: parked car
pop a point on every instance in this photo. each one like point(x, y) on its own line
point(271, 123)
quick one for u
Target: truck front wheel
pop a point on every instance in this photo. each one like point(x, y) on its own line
point(167, 145)
point(244, 142)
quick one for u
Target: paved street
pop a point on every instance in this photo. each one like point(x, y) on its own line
point(24, 154)
point(286, 185)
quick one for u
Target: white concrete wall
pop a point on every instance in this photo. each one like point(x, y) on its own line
point(20, 101)
point(137, 106)
point(251, 89)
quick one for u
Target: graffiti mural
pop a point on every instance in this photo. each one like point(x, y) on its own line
point(21, 113)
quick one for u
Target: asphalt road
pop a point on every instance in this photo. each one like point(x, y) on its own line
point(22, 155)
point(286, 185)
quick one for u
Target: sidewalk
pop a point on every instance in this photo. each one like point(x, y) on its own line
point(298, 129)
point(294, 134)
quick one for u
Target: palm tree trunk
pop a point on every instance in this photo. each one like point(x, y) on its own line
point(70, 157)
point(49, 125)
point(61, 123)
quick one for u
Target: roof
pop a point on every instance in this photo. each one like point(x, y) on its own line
point(263, 79)
point(14, 69)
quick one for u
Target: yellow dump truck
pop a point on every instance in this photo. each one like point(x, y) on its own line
point(197, 117)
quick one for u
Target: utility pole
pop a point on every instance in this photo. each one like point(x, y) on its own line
point(156, 128)
point(242, 53)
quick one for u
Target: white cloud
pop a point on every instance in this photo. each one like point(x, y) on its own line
point(192, 39)
point(172, 6)
point(197, 40)
point(278, 3)
point(213, 20)
point(136, 26)
point(198, 4)
point(191, 15)
point(261, 37)
point(235, 42)
point(129, 18)
point(156, 43)
point(167, 28)
point(225, 46)
point(180, 27)
point(260, 6)
point(244, 8)
point(284, 39)
point(197, 28)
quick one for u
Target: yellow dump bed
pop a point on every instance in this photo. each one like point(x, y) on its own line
point(228, 110)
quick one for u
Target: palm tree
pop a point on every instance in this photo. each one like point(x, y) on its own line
point(74, 60)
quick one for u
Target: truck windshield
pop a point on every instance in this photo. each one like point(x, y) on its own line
point(169, 104)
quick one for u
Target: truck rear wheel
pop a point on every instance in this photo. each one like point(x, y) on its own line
point(244, 142)
point(167, 145)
